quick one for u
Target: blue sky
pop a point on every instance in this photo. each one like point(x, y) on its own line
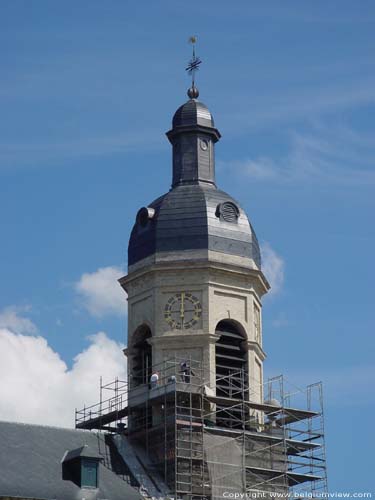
point(87, 91)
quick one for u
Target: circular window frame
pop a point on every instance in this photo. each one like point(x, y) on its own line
point(228, 212)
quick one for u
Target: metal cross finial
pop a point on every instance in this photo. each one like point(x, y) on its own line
point(194, 63)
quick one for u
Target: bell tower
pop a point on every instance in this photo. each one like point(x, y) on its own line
point(195, 420)
point(194, 280)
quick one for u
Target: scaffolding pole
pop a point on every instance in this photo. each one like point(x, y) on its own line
point(202, 444)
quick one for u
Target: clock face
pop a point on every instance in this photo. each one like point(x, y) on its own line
point(182, 311)
point(204, 144)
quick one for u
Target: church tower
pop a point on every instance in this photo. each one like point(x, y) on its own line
point(195, 282)
point(195, 420)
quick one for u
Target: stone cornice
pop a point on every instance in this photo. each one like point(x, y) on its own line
point(254, 346)
point(188, 265)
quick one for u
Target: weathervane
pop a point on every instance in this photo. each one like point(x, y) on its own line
point(192, 67)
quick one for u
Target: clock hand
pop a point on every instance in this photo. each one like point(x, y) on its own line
point(182, 305)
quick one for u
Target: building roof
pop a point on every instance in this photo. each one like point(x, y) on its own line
point(186, 219)
point(193, 112)
point(194, 220)
point(84, 451)
point(31, 464)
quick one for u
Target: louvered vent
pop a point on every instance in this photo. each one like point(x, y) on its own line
point(228, 211)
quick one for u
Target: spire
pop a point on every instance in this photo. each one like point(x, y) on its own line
point(192, 68)
point(193, 136)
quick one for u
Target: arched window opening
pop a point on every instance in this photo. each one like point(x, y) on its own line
point(142, 356)
point(231, 371)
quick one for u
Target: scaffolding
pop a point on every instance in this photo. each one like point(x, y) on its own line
point(201, 443)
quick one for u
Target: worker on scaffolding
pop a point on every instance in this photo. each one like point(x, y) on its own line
point(154, 380)
point(186, 372)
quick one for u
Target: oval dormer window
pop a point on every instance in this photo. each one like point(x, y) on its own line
point(228, 211)
point(144, 215)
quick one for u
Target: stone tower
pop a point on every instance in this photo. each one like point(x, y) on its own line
point(194, 280)
point(192, 422)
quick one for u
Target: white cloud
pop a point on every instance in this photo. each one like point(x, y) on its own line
point(261, 169)
point(329, 155)
point(300, 102)
point(26, 154)
point(273, 266)
point(37, 386)
point(11, 317)
point(101, 293)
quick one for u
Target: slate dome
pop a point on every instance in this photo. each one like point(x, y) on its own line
point(188, 218)
point(194, 220)
point(193, 112)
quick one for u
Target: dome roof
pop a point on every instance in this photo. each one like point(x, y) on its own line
point(193, 112)
point(194, 221)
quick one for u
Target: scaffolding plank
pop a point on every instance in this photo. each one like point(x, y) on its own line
point(263, 436)
point(102, 420)
point(293, 477)
point(188, 423)
point(292, 414)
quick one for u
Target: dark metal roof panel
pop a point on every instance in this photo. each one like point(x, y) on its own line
point(193, 112)
point(186, 219)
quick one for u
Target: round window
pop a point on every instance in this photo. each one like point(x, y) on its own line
point(228, 211)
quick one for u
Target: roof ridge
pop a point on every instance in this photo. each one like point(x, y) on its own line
point(28, 424)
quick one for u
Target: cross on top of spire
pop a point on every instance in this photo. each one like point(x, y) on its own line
point(192, 68)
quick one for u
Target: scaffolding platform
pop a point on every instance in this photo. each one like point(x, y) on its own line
point(288, 415)
point(199, 444)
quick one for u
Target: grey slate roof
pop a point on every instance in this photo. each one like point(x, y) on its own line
point(185, 220)
point(84, 451)
point(30, 464)
point(193, 112)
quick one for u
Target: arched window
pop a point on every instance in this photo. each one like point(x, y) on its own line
point(231, 368)
point(141, 356)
